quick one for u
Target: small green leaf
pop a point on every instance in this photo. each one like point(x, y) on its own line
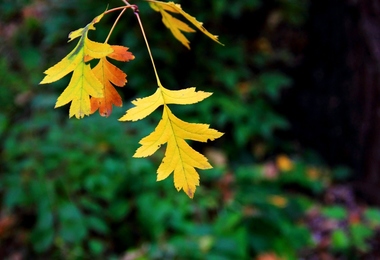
point(42, 239)
point(373, 216)
point(340, 240)
point(96, 246)
point(335, 212)
point(360, 233)
point(72, 227)
point(118, 210)
point(97, 224)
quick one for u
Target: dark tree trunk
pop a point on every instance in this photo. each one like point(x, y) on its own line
point(365, 63)
point(334, 107)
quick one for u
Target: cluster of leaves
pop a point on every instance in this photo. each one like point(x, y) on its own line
point(92, 89)
point(86, 82)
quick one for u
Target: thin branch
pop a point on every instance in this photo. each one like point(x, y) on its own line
point(147, 46)
point(117, 8)
point(125, 2)
point(114, 24)
point(136, 11)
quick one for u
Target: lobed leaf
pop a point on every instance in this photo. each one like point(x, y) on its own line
point(85, 47)
point(145, 106)
point(184, 96)
point(176, 26)
point(83, 84)
point(109, 75)
point(179, 157)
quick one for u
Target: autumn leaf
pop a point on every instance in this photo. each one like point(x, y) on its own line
point(180, 157)
point(109, 75)
point(84, 82)
point(177, 26)
point(145, 106)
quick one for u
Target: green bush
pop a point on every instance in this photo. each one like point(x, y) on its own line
point(86, 197)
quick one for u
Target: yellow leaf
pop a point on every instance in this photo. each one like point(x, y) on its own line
point(83, 82)
point(179, 156)
point(84, 47)
point(145, 106)
point(184, 96)
point(176, 26)
point(79, 32)
point(64, 67)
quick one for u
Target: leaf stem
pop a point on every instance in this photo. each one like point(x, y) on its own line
point(117, 8)
point(136, 11)
point(114, 24)
point(125, 2)
point(149, 51)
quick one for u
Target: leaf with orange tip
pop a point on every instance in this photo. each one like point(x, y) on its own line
point(83, 83)
point(121, 53)
point(109, 75)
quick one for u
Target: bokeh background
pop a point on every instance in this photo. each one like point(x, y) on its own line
point(296, 175)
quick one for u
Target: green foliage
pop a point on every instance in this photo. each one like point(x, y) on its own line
point(356, 233)
point(77, 193)
point(60, 172)
point(335, 212)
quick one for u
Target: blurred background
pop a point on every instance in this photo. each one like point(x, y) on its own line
point(296, 175)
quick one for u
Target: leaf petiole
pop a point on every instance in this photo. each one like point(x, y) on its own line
point(117, 8)
point(149, 51)
point(116, 21)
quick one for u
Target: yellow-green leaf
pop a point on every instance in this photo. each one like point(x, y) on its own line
point(79, 32)
point(176, 26)
point(83, 83)
point(85, 47)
